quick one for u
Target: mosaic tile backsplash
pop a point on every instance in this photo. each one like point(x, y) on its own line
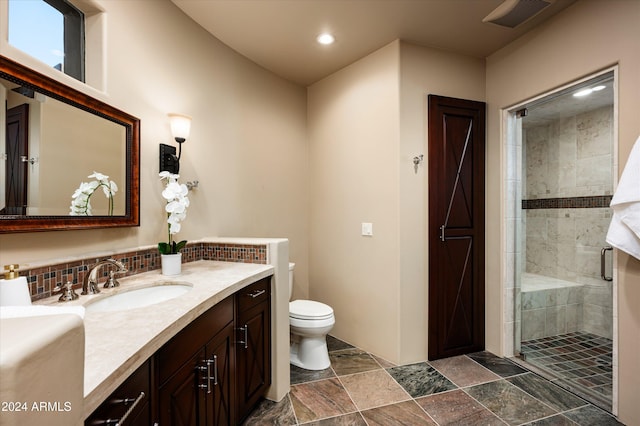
point(568, 202)
point(43, 279)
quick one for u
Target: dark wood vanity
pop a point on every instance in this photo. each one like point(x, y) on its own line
point(213, 372)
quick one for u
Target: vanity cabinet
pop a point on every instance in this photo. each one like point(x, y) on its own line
point(129, 405)
point(253, 351)
point(194, 371)
point(213, 372)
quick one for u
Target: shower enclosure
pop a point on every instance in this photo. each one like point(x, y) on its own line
point(563, 268)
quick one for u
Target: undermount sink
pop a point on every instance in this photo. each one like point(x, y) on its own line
point(138, 298)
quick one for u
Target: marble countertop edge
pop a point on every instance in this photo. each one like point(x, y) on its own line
point(118, 342)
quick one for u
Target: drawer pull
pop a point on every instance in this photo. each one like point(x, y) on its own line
point(130, 410)
point(124, 401)
point(257, 293)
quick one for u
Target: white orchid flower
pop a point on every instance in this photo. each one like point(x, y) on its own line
point(175, 195)
point(174, 190)
point(110, 190)
point(168, 175)
point(98, 176)
point(80, 204)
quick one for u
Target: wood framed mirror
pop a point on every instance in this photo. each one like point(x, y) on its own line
point(56, 138)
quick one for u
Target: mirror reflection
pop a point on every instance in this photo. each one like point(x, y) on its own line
point(68, 160)
point(51, 150)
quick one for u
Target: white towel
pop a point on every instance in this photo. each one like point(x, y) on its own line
point(39, 310)
point(624, 230)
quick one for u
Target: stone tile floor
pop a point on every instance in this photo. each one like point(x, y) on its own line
point(474, 389)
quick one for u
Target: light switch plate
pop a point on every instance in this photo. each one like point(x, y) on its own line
point(367, 229)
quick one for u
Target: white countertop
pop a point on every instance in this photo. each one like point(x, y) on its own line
point(117, 343)
point(36, 354)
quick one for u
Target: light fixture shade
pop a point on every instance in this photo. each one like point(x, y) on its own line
point(180, 126)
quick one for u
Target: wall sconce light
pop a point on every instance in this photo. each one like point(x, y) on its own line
point(180, 128)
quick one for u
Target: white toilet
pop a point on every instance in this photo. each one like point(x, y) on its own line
point(310, 322)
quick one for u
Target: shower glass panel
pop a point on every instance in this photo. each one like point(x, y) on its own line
point(566, 308)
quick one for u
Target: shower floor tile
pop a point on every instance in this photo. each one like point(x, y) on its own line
point(578, 361)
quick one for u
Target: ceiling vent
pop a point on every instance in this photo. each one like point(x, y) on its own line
point(512, 13)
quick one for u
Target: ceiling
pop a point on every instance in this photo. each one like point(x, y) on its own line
point(563, 104)
point(280, 34)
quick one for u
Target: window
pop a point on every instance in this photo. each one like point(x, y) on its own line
point(50, 30)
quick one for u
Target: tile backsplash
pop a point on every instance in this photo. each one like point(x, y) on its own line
point(45, 278)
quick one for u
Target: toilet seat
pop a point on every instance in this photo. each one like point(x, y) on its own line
point(309, 310)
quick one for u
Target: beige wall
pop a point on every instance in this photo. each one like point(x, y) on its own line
point(366, 123)
point(354, 141)
point(70, 153)
point(247, 146)
point(587, 37)
point(258, 176)
point(423, 71)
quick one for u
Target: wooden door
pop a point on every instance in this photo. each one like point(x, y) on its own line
point(253, 351)
point(16, 169)
point(456, 226)
point(221, 403)
point(182, 400)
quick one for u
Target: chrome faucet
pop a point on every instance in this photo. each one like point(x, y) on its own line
point(90, 283)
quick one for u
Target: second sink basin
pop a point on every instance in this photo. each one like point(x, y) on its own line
point(138, 298)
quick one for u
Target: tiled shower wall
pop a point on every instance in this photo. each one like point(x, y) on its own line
point(565, 161)
point(550, 310)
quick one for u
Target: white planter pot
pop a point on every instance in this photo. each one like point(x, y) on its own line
point(171, 264)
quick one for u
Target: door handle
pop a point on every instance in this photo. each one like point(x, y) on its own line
point(215, 370)
point(206, 375)
point(603, 261)
point(245, 331)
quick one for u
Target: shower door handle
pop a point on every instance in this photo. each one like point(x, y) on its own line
point(603, 262)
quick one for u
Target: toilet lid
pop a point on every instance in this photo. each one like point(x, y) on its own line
point(309, 309)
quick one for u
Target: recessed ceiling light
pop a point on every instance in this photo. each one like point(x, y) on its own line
point(325, 38)
point(583, 92)
point(588, 91)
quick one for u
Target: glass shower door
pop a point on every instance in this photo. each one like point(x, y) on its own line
point(566, 307)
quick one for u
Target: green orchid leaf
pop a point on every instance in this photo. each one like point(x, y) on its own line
point(164, 248)
point(180, 245)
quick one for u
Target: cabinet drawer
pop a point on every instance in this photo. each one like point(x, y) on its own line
point(192, 338)
point(130, 399)
point(254, 294)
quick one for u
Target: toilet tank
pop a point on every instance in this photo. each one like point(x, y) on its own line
point(291, 268)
